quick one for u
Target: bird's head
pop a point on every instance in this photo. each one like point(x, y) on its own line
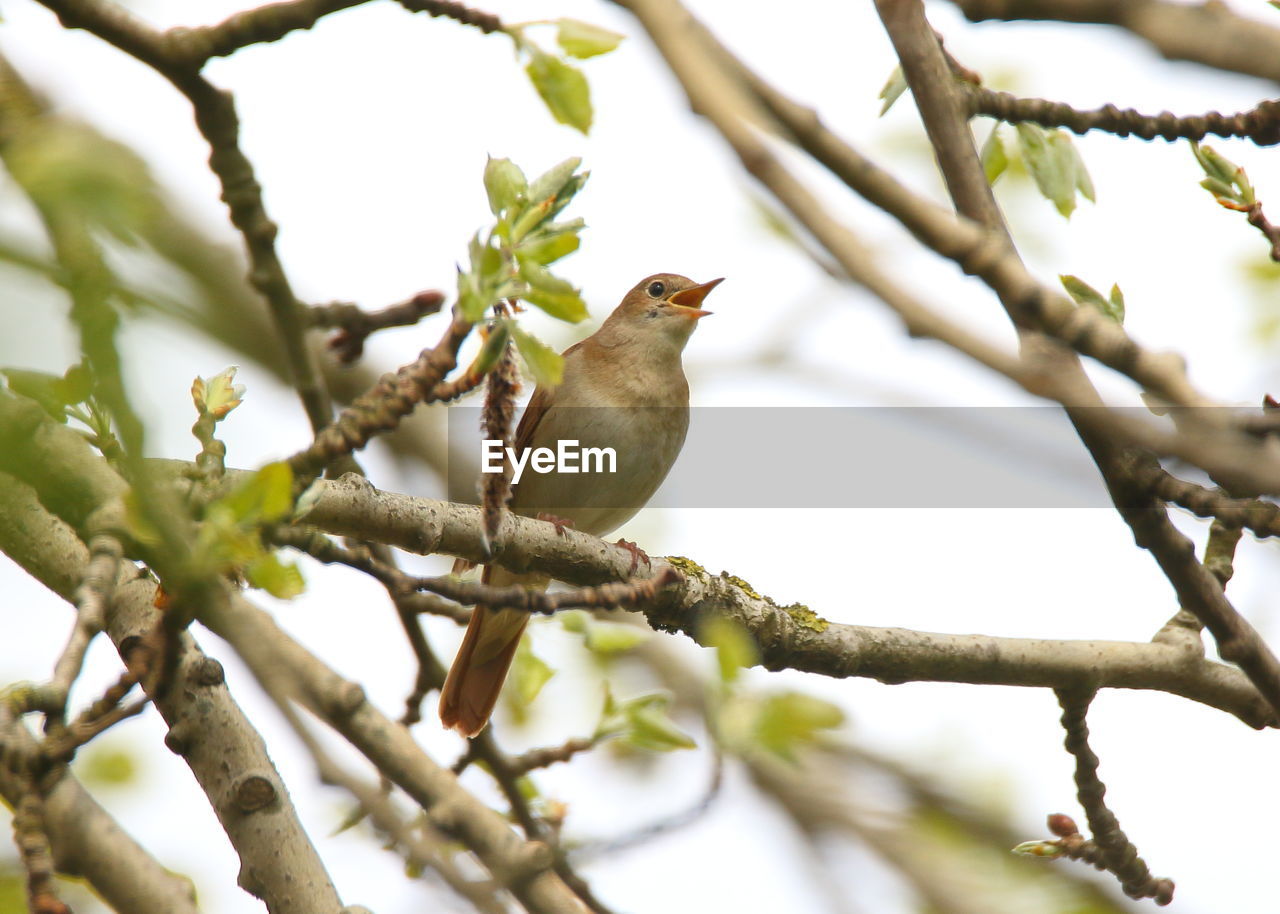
point(663, 307)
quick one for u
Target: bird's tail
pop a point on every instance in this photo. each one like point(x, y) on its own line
point(471, 689)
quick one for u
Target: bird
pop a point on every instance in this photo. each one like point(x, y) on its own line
point(624, 388)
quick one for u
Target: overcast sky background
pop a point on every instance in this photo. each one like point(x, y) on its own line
point(369, 135)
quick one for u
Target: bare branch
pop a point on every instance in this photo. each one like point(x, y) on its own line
point(1260, 124)
point(1118, 855)
point(1207, 33)
point(355, 325)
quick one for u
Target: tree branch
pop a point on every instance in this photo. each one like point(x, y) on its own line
point(1260, 124)
point(1208, 33)
point(1118, 855)
point(217, 121)
point(789, 636)
point(88, 843)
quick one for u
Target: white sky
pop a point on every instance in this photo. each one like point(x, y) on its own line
point(369, 134)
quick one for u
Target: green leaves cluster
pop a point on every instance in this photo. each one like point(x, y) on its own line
point(1224, 179)
point(641, 722)
point(1052, 159)
point(561, 85)
point(229, 540)
point(1084, 294)
point(511, 260)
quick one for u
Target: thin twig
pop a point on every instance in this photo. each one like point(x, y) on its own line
point(1260, 124)
point(532, 600)
point(33, 849)
point(502, 388)
point(355, 325)
point(1118, 855)
point(547, 756)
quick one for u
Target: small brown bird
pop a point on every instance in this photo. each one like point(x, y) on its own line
point(629, 376)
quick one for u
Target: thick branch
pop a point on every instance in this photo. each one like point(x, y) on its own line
point(1208, 33)
point(792, 636)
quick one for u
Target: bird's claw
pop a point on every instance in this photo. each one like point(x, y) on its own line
point(560, 522)
point(636, 555)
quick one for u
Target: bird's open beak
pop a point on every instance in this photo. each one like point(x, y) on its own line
point(690, 298)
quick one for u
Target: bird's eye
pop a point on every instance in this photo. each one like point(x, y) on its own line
point(656, 289)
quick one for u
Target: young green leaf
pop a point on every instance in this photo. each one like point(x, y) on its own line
point(218, 395)
point(266, 496)
point(583, 40)
point(1081, 291)
point(543, 362)
point(788, 721)
point(1084, 183)
point(1116, 300)
point(552, 182)
point(734, 647)
point(495, 344)
point(549, 243)
point(529, 673)
point(994, 157)
point(1049, 157)
point(1085, 294)
point(652, 729)
point(563, 88)
point(609, 638)
point(552, 294)
point(504, 183)
point(283, 580)
point(642, 721)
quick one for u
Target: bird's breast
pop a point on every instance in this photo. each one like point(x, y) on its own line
point(618, 455)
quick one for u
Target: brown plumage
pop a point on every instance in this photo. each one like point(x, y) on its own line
point(631, 373)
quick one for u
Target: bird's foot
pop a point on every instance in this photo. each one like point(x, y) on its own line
point(560, 522)
point(636, 555)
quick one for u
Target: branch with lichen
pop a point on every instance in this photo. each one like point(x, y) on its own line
point(1260, 124)
point(791, 636)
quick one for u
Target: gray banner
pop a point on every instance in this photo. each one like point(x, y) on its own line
point(817, 457)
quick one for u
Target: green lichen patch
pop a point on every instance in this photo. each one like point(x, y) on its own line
point(806, 617)
point(687, 566)
point(741, 585)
